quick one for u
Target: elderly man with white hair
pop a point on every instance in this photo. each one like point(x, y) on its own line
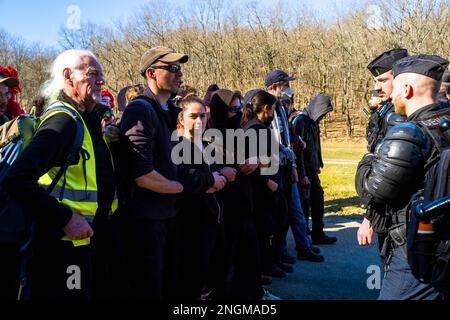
point(70, 221)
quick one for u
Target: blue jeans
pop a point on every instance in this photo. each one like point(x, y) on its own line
point(400, 284)
point(297, 222)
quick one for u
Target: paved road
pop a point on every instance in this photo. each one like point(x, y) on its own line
point(343, 275)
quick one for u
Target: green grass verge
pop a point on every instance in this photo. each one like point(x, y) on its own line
point(338, 180)
point(343, 151)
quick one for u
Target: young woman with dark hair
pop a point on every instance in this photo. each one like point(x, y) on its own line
point(201, 209)
point(257, 116)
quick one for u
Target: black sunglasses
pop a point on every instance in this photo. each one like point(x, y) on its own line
point(174, 68)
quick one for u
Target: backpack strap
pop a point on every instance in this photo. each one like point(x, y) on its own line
point(74, 150)
point(431, 126)
point(440, 189)
point(294, 118)
point(437, 174)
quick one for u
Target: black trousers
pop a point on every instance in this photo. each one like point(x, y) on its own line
point(9, 272)
point(243, 279)
point(60, 271)
point(151, 253)
point(313, 205)
point(202, 259)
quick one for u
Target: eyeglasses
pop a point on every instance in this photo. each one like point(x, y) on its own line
point(173, 68)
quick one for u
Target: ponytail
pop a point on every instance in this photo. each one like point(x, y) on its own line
point(247, 114)
point(256, 105)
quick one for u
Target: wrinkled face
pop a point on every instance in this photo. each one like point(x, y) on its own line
point(194, 120)
point(397, 95)
point(87, 82)
point(4, 93)
point(167, 80)
point(383, 84)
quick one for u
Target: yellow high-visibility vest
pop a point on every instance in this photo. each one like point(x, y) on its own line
point(80, 190)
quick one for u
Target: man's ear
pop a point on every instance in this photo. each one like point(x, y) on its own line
point(409, 91)
point(66, 75)
point(150, 73)
point(274, 87)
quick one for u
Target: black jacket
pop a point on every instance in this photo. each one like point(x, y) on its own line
point(197, 206)
point(237, 195)
point(145, 145)
point(265, 201)
point(307, 126)
point(49, 148)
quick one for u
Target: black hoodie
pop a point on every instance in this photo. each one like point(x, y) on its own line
point(307, 126)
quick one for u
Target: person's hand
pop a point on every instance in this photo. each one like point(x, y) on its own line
point(272, 185)
point(305, 181)
point(247, 168)
point(375, 103)
point(112, 133)
point(294, 175)
point(229, 173)
point(365, 233)
point(78, 228)
point(302, 144)
point(219, 182)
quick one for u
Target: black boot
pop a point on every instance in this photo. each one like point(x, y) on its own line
point(310, 255)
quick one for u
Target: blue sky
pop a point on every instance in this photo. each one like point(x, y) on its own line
point(39, 21)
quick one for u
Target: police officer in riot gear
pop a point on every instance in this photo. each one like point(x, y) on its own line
point(380, 104)
point(383, 117)
point(397, 169)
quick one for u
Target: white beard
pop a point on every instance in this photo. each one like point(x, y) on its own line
point(97, 96)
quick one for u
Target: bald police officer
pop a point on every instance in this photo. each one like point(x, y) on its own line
point(397, 169)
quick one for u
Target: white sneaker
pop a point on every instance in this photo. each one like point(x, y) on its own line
point(269, 296)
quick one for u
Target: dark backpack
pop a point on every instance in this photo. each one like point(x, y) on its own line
point(15, 135)
point(428, 251)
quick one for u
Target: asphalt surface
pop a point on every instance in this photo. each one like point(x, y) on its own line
point(344, 273)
